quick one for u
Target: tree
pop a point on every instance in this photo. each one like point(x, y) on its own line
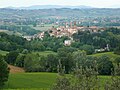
point(52, 62)
point(20, 60)
point(62, 82)
point(114, 82)
point(117, 61)
point(80, 57)
point(65, 56)
point(81, 79)
point(4, 71)
point(117, 66)
point(104, 65)
point(35, 63)
point(88, 48)
point(117, 50)
point(11, 57)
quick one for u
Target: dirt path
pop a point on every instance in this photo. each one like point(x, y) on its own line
point(14, 69)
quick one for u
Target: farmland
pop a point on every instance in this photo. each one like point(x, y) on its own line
point(45, 27)
point(36, 81)
point(31, 80)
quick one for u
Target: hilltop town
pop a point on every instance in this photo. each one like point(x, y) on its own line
point(67, 30)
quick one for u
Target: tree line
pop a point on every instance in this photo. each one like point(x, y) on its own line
point(82, 40)
point(34, 62)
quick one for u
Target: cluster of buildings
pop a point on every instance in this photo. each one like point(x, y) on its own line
point(107, 48)
point(69, 30)
point(39, 36)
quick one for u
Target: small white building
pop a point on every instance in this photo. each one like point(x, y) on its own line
point(28, 38)
point(67, 42)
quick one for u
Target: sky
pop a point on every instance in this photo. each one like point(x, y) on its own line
point(93, 3)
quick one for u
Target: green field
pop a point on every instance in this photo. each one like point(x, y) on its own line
point(42, 81)
point(11, 32)
point(44, 53)
point(45, 28)
point(3, 52)
point(31, 80)
point(36, 81)
point(109, 54)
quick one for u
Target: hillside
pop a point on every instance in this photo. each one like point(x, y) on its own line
point(109, 54)
point(63, 12)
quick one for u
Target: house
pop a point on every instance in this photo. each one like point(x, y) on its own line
point(28, 38)
point(67, 42)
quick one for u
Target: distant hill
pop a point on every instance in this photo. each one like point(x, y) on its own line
point(115, 6)
point(61, 12)
point(50, 7)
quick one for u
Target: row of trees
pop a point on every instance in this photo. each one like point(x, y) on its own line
point(68, 56)
point(83, 41)
point(12, 42)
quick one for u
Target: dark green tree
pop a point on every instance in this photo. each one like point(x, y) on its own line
point(88, 48)
point(104, 65)
point(20, 60)
point(65, 56)
point(4, 71)
point(11, 57)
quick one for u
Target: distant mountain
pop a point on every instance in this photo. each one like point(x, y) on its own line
point(50, 7)
point(115, 6)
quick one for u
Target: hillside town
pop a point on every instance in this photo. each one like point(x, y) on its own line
point(66, 30)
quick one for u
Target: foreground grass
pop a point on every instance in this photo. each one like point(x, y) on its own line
point(31, 80)
point(36, 81)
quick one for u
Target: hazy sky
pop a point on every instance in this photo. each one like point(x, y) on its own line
point(94, 3)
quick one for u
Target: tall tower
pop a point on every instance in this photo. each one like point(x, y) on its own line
point(71, 24)
point(74, 23)
point(66, 25)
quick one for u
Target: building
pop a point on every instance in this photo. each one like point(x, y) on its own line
point(67, 42)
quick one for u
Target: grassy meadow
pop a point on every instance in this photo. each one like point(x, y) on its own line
point(31, 81)
point(36, 81)
point(44, 53)
point(109, 54)
point(45, 28)
point(3, 52)
point(42, 80)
